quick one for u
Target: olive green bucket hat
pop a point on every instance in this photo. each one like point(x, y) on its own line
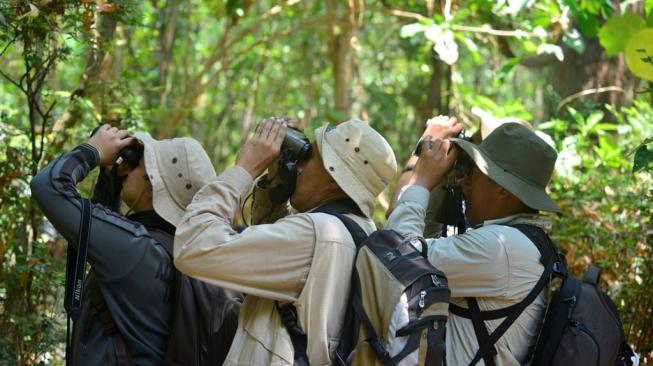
point(517, 159)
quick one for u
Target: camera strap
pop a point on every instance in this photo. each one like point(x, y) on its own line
point(75, 265)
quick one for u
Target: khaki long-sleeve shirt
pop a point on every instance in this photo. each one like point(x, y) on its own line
point(304, 259)
point(495, 263)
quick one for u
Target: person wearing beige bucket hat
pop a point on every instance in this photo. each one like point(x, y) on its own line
point(496, 264)
point(303, 259)
point(125, 308)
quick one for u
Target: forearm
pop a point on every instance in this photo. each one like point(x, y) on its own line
point(55, 188)
point(207, 248)
point(408, 217)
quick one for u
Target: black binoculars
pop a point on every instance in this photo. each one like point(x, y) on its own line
point(295, 146)
point(294, 149)
point(109, 185)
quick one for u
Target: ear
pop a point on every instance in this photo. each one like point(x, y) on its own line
point(149, 192)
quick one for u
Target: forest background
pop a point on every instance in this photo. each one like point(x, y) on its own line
point(579, 70)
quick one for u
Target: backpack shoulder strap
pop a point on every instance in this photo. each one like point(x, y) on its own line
point(288, 311)
point(549, 258)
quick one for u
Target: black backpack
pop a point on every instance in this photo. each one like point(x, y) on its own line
point(204, 317)
point(385, 263)
point(581, 325)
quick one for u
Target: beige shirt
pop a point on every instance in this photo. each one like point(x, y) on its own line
point(305, 259)
point(495, 263)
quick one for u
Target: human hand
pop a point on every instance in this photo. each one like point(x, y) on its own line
point(108, 141)
point(443, 127)
point(264, 147)
point(273, 168)
point(436, 158)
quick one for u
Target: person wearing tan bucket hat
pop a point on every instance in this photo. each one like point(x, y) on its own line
point(496, 264)
point(303, 259)
point(125, 306)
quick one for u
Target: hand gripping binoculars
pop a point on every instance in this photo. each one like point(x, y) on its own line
point(294, 149)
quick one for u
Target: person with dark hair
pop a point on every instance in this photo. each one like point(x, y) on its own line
point(127, 298)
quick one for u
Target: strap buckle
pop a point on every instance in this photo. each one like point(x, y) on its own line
point(380, 350)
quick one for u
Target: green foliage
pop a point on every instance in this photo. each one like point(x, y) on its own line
point(643, 157)
point(616, 32)
point(212, 69)
point(607, 210)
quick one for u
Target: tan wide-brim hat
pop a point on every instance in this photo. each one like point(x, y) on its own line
point(489, 122)
point(517, 159)
point(177, 169)
point(359, 159)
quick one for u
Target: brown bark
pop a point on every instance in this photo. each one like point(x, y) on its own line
point(342, 53)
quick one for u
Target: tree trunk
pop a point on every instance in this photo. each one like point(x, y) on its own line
point(593, 69)
point(342, 52)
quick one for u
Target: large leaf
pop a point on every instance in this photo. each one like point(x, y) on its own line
point(643, 159)
point(616, 32)
point(444, 43)
point(639, 54)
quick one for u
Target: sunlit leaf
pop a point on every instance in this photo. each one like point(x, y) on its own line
point(639, 54)
point(616, 32)
point(574, 40)
point(33, 12)
point(409, 30)
point(552, 49)
point(447, 47)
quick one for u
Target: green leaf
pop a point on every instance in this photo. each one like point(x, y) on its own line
point(574, 39)
point(643, 159)
point(616, 32)
point(588, 24)
point(649, 17)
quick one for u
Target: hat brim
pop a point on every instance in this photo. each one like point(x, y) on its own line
point(163, 202)
point(345, 178)
point(531, 195)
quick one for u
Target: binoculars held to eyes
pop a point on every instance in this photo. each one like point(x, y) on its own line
point(294, 149)
point(109, 184)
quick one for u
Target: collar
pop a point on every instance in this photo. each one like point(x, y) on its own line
point(152, 220)
point(541, 221)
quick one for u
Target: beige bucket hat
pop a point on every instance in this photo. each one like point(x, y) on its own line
point(517, 159)
point(489, 122)
point(177, 169)
point(359, 159)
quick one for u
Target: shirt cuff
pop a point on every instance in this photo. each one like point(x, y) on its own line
point(239, 178)
point(90, 154)
point(415, 193)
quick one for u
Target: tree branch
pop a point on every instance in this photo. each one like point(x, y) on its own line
point(586, 92)
point(484, 29)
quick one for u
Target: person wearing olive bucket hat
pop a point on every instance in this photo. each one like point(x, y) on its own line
point(304, 259)
point(125, 307)
point(495, 264)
